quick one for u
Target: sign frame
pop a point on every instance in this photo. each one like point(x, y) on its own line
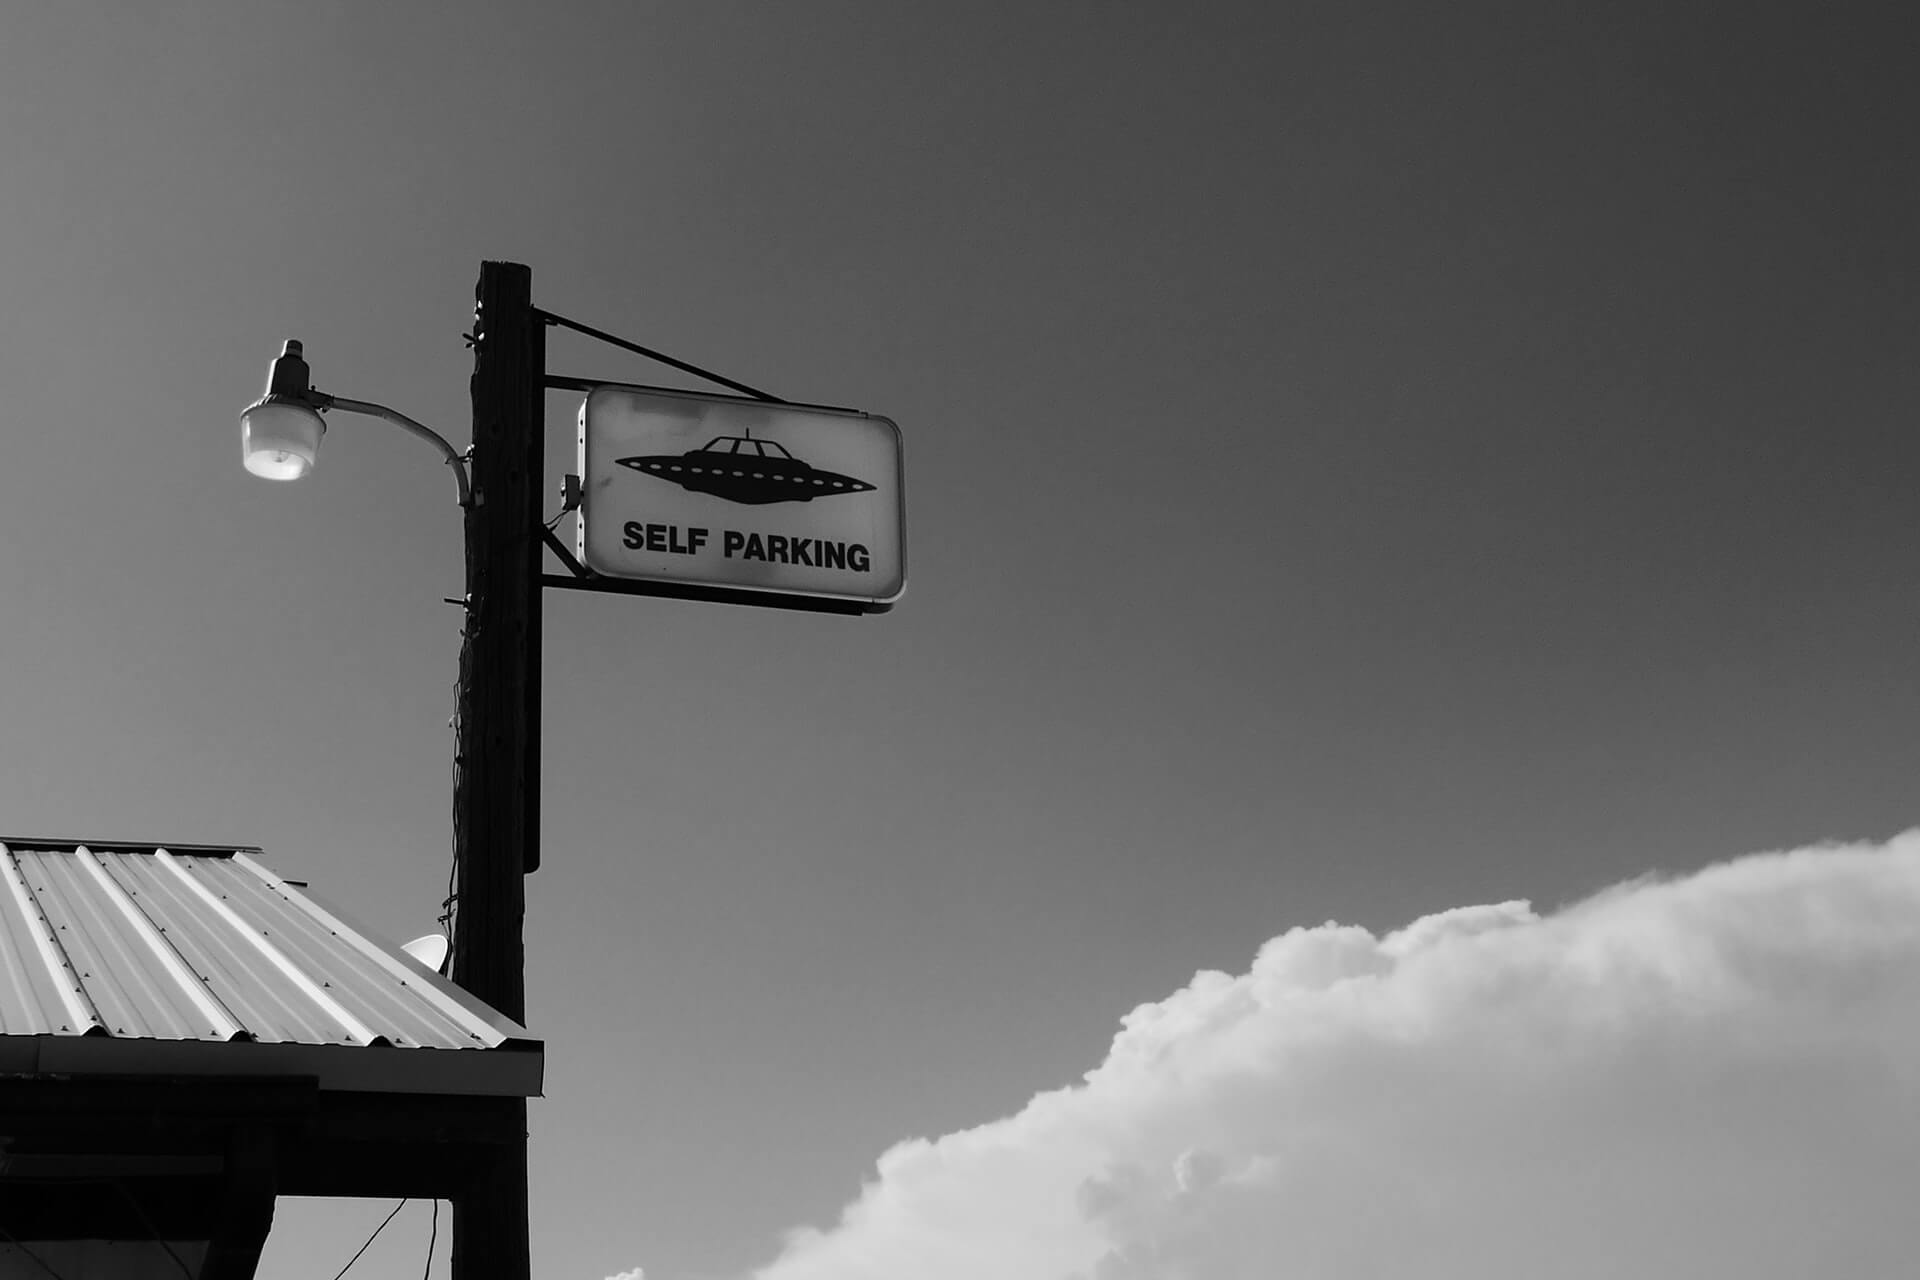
point(586, 577)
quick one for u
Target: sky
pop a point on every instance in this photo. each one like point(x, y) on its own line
point(1365, 463)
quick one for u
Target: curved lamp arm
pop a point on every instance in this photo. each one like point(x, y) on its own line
point(321, 400)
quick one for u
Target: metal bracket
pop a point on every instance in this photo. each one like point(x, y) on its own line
point(567, 557)
point(549, 318)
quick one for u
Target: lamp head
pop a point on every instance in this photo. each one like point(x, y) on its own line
point(280, 433)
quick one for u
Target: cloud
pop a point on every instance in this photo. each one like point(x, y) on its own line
point(635, 1274)
point(1705, 1077)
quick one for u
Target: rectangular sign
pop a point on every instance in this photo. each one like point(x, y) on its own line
point(714, 491)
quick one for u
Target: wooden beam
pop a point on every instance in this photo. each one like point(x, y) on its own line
point(124, 1209)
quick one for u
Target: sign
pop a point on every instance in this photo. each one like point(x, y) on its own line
point(718, 492)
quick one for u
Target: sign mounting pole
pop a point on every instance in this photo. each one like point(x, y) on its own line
point(497, 791)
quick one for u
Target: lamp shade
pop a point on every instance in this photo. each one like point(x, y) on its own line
point(430, 950)
point(280, 437)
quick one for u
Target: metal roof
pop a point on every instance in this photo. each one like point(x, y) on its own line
point(125, 959)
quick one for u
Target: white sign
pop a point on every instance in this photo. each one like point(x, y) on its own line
point(713, 491)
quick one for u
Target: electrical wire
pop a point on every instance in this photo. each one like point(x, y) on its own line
point(450, 905)
point(370, 1239)
point(449, 918)
point(35, 1258)
point(432, 1240)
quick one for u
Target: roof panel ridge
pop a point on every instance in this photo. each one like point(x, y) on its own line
point(192, 985)
point(476, 1026)
point(355, 1029)
point(81, 1012)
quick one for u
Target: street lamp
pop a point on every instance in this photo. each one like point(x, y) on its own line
point(496, 813)
point(280, 433)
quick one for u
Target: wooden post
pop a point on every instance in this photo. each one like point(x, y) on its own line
point(245, 1214)
point(496, 796)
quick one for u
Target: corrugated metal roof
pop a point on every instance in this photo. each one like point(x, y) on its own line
point(145, 945)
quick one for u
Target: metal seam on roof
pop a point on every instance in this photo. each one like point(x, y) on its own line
point(60, 971)
point(475, 1026)
point(270, 1008)
point(191, 984)
point(359, 987)
point(135, 995)
point(278, 959)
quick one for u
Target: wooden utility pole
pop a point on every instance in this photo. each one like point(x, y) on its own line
point(497, 792)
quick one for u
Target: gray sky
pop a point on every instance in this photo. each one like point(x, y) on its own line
point(1362, 460)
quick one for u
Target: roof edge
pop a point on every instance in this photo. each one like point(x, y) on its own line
point(65, 845)
point(514, 1069)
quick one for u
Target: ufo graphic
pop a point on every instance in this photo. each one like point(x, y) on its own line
point(743, 469)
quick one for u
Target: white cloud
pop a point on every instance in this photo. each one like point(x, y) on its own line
point(635, 1274)
point(1710, 1077)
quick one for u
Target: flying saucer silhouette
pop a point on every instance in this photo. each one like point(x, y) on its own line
point(742, 469)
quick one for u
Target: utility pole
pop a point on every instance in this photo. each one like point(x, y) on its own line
point(497, 791)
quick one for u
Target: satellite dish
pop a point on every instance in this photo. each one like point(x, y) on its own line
point(430, 950)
